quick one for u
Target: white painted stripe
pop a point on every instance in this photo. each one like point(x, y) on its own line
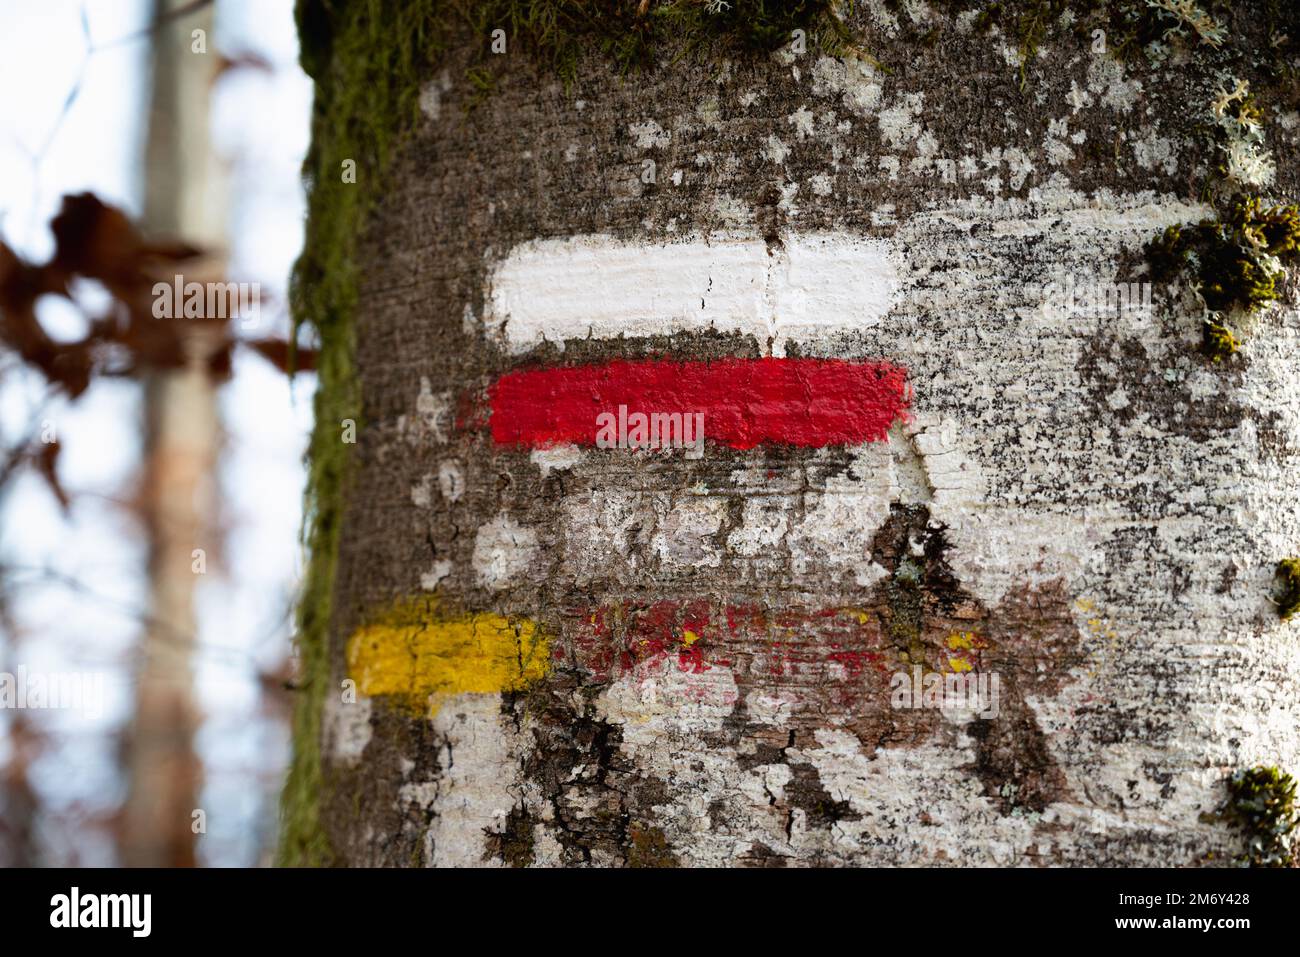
point(602, 287)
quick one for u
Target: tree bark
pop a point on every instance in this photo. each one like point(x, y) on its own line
point(568, 655)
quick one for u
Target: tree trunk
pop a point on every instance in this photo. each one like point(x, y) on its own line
point(182, 436)
point(522, 648)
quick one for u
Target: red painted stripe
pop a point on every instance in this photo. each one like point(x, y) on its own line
point(745, 402)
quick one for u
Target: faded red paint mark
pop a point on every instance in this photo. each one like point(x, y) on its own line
point(611, 640)
point(745, 402)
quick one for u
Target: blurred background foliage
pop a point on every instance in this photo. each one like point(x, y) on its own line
point(150, 468)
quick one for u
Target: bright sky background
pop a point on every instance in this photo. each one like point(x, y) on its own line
point(260, 126)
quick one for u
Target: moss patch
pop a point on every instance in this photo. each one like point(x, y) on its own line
point(1218, 341)
point(1261, 802)
point(648, 847)
point(634, 33)
point(1235, 263)
point(1288, 576)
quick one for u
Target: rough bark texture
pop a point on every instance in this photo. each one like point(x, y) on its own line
point(1093, 504)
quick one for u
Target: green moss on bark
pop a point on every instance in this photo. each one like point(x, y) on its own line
point(1288, 577)
point(1262, 803)
point(367, 59)
point(1234, 262)
point(635, 33)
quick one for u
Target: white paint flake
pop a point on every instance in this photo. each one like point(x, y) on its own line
point(422, 492)
point(775, 150)
point(434, 409)
point(558, 458)
point(431, 95)
point(440, 569)
point(451, 480)
point(503, 550)
point(856, 80)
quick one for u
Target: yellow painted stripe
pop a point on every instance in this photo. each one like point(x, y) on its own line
point(415, 652)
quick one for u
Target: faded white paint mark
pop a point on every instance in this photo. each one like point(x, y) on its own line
point(440, 569)
point(432, 416)
point(472, 798)
point(764, 526)
point(732, 212)
point(857, 81)
point(1107, 80)
point(775, 150)
point(898, 124)
point(831, 531)
point(802, 121)
point(605, 533)
point(660, 693)
point(1154, 151)
point(503, 550)
point(774, 709)
point(431, 95)
point(434, 409)
point(881, 788)
point(451, 480)
point(431, 100)
point(558, 458)
point(687, 534)
point(422, 492)
point(710, 113)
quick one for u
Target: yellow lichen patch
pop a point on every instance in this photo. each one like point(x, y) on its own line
point(961, 639)
point(964, 644)
point(1099, 628)
point(421, 657)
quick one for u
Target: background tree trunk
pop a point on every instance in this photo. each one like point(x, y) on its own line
point(572, 655)
point(182, 437)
